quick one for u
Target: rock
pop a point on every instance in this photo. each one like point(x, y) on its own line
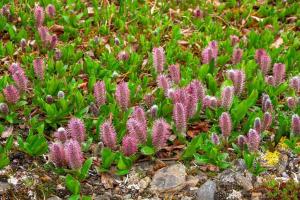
point(256, 195)
point(4, 187)
point(282, 163)
point(207, 191)
point(169, 179)
point(240, 164)
point(245, 181)
point(54, 198)
point(227, 176)
point(235, 195)
point(143, 184)
point(192, 181)
point(105, 196)
point(186, 198)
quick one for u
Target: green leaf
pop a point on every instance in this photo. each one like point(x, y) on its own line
point(201, 159)
point(192, 148)
point(72, 184)
point(146, 150)
point(85, 168)
point(239, 112)
point(9, 143)
point(108, 158)
point(4, 160)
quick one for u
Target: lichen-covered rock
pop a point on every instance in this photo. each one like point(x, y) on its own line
point(169, 179)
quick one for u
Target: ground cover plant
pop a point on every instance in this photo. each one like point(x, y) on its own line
point(149, 99)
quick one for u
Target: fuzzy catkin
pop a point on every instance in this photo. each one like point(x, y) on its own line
point(160, 133)
point(76, 129)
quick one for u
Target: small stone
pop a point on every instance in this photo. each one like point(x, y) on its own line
point(4, 187)
point(54, 198)
point(143, 184)
point(169, 179)
point(227, 176)
point(256, 196)
point(244, 181)
point(240, 164)
point(192, 181)
point(235, 195)
point(207, 191)
point(186, 198)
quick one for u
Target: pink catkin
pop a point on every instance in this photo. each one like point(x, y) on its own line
point(263, 60)
point(39, 15)
point(253, 140)
point(225, 124)
point(267, 121)
point(11, 94)
point(214, 47)
point(76, 129)
point(266, 103)
point(291, 102)
point(296, 124)
point(100, 93)
point(14, 67)
point(257, 125)
point(50, 9)
point(44, 35)
point(61, 134)
point(53, 41)
point(123, 56)
point(163, 82)
point(238, 78)
point(159, 59)
point(153, 111)
point(174, 71)
point(197, 86)
point(215, 139)
point(191, 105)
point(270, 80)
point(57, 154)
point(160, 133)
point(265, 64)
point(227, 97)
point(123, 95)
point(207, 55)
point(129, 145)
point(20, 80)
point(179, 96)
point(295, 83)
point(279, 73)
point(242, 140)
point(39, 68)
point(136, 130)
point(234, 40)
point(73, 153)
point(237, 55)
point(179, 117)
point(108, 135)
point(140, 115)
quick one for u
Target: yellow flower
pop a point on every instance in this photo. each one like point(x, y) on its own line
point(281, 145)
point(271, 158)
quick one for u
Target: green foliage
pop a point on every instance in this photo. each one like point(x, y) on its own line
point(252, 165)
point(34, 145)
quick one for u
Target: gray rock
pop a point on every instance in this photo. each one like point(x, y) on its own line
point(207, 191)
point(54, 198)
point(4, 187)
point(244, 180)
point(227, 176)
point(240, 164)
point(169, 179)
